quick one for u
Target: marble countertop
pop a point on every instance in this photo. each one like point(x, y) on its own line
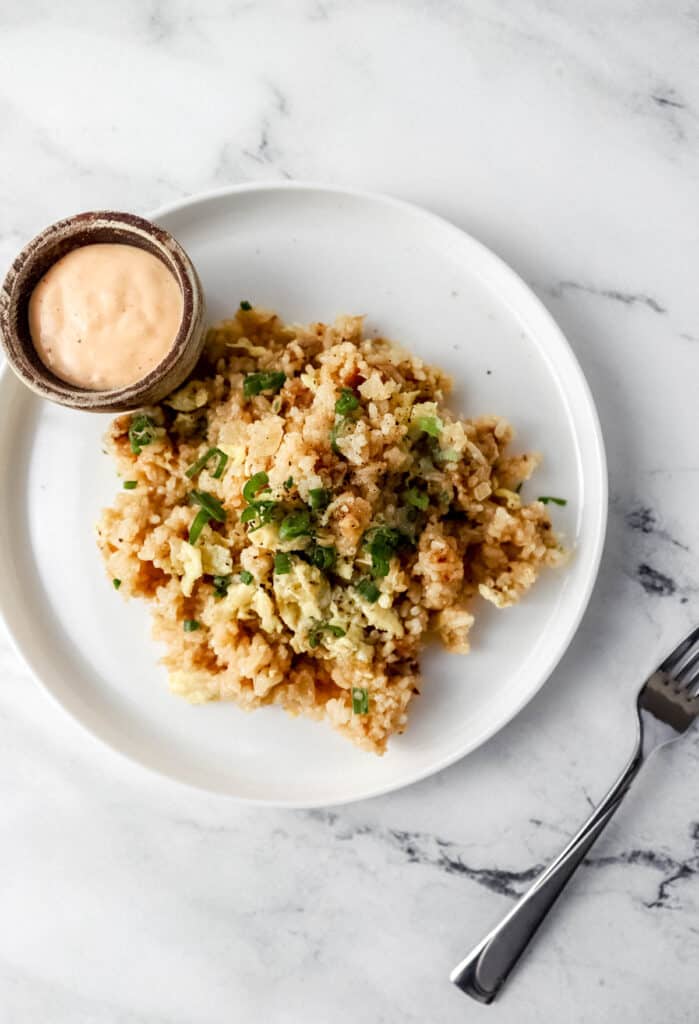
point(566, 137)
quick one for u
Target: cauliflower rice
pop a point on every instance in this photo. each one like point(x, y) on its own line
point(304, 510)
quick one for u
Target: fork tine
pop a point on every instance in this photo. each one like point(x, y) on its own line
point(691, 685)
point(684, 647)
point(687, 674)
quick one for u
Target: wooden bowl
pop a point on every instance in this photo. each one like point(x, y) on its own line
point(48, 247)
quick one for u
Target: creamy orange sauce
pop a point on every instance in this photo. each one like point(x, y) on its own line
point(105, 315)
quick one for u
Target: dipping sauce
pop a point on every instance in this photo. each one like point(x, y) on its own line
point(105, 315)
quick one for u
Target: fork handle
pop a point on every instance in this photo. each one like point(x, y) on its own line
point(483, 972)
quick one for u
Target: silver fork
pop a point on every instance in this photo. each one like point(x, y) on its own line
point(667, 704)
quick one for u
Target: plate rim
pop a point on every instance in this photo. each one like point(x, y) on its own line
point(598, 524)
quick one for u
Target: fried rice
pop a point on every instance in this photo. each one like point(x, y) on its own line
point(305, 510)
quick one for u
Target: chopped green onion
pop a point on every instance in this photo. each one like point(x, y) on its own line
point(368, 590)
point(262, 512)
point(380, 564)
point(246, 577)
point(360, 700)
point(129, 485)
point(295, 524)
point(323, 558)
point(116, 583)
point(288, 484)
point(256, 383)
point(347, 402)
point(255, 484)
point(431, 425)
point(269, 510)
point(556, 501)
point(417, 498)
point(191, 625)
point(315, 633)
point(213, 453)
point(221, 585)
point(318, 498)
point(198, 523)
point(382, 543)
point(245, 306)
point(282, 563)
point(211, 508)
point(448, 455)
point(210, 504)
point(141, 432)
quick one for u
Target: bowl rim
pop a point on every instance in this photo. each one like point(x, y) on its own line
point(50, 245)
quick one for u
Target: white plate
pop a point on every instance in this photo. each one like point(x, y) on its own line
point(310, 253)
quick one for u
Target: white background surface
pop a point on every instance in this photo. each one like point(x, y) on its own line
point(566, 139)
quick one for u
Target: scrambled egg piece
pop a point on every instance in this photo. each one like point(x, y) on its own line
point(244, 601)
point(186, 563)
point(423, 410)
point(384, 619)
point(194, 395)
point(190, 563)
point(216, 560)
point(303, 599)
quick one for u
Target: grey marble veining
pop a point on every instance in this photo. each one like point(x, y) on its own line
point(566, 137)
